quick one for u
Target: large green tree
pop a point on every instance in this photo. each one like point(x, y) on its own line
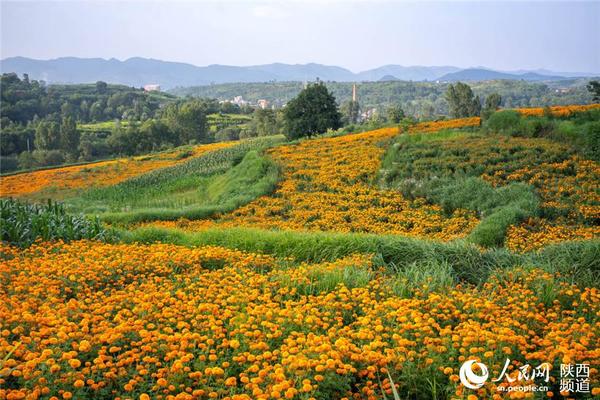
point(594, 89)
point(47, 135)
point(461, 101)
point(313, 111)
point(492, 103)
point(264, 123)
point(188, 120)
point(69, 136)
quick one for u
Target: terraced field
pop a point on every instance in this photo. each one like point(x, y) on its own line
point(358, 266)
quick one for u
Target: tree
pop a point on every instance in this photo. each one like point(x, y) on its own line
point(461, 101)
point(264, 122)
point(187, 120)
point(69, 136)
point(395, 114)
point(594, 88)
point(101, 87)
point(313, 111)
point(350, 111)
point(492, 103)
point(47, 135)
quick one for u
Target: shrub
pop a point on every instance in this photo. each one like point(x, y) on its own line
point(591, 141)
point(506, 122)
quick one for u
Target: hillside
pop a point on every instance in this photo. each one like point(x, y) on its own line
point(139, 71)
point(320, 268)
point(326, 187)
point(481, 74)
point(416, 98)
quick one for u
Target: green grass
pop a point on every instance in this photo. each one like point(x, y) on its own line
point(218, 181)
point(499, 208)
point(578, 262)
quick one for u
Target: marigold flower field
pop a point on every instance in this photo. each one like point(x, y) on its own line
point(96, 320)
point(132, 319)
point(328, 186)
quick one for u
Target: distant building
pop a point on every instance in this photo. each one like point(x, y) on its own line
point(153, 87)
point(239, 100)
point(368, 114)
point(262, 103)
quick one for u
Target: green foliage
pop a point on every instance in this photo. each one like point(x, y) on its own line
point(594, 88)
point(323, 281)
point(499, 208)
point(461, 101)
point(507, 122)
point(395, 114)
point(350, 112)
point(21, 224)
point(492, 103)
point(264, 123)
point(313, 111)
point(425, 277)
point(417, 99)
point(581, 130)
point(188, 120)
point(578, 262)
point(218, 181)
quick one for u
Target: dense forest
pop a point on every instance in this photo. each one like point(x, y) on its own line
point(418, 99)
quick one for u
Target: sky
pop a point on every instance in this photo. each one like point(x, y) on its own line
point(358, 35)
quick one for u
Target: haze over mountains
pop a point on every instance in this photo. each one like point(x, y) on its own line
point(141, 71)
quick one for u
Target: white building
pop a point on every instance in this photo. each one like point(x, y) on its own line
point(152, 87)
point(262, 103)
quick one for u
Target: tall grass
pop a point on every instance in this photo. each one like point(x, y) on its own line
point(21, 224)
point(577, 261)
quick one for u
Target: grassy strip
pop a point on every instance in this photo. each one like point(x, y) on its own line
point(254, 176)
point(580, 261)
point(499, 207)
point(452, 188)
point(175, 178)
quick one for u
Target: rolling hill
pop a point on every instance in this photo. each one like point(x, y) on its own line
point(139, 71)
point(483, 74)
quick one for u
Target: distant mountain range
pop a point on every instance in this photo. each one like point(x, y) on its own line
point(141, 71)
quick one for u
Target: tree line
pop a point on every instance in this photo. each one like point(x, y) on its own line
point(39, 124)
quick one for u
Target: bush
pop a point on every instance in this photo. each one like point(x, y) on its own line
point(506, 122)
point(591, 141)
point(228, 134)
point(21, 224)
